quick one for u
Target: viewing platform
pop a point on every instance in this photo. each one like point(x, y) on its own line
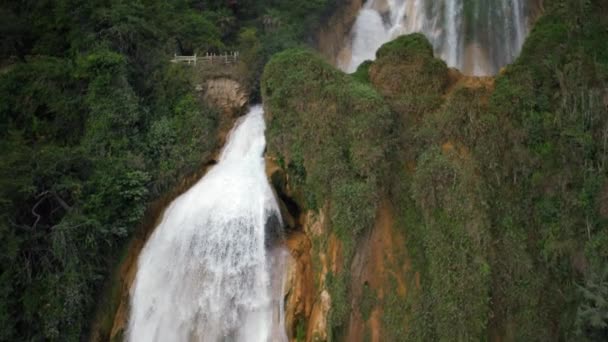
point(208, 58)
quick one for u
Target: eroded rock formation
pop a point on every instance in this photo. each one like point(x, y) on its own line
point(226, 94)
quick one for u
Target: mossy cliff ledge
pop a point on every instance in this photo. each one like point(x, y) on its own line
point(444, 207)
point(332, 135)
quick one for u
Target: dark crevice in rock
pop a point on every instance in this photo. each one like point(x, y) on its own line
point(274, 233)
point(290, 210)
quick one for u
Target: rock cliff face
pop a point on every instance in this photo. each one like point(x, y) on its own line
point(441, 206)
point(226, 94)
point(381, 270)
point(365, 284)
point(346, 220)
point(307, 302)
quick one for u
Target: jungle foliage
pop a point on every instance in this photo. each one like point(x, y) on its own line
point(511, 183)
point(511, 186)
point(501, 187)
point(94, 124)
point(333, 135)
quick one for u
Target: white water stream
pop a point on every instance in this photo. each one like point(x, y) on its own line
point(476, 36)
point(206, 273)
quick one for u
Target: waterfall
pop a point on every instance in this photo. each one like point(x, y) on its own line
point(206, 273)
point(476, 36)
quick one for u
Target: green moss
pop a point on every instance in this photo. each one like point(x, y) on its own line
point(368, 301)
point(301, 331)
point(550, 97)
point(334, 131)
point(338, 133)
point(406, 46)
point(337, 285)
point(409, 77)
point(362, 73)
point(394, 315)
point(455, 243)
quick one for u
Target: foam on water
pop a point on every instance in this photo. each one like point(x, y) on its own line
point(477, 37)
point(205, 274)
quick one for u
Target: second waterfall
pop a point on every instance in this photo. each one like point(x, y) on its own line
point(206, 273)
point(476, 36)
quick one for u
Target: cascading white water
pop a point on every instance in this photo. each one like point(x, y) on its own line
point(477, 37)
point(205, 274)
point(370, 35)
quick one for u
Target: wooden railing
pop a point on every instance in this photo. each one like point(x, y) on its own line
point(184, 59)
point(209, 58)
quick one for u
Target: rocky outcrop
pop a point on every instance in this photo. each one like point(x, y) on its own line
point(317, 330)
point(226, 94)
point(381, 270)
point(229, 96)
point(299, 289)
point(325, 132)
point(308, 301)
point(365, 286)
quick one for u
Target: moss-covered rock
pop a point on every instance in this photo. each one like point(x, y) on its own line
point(333, 135)
point(362, 72)
point(408, 75)
point(499, 186)
point(405, 46)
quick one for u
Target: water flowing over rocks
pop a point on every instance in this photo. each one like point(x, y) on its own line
point(333, 35)
point(205, 273)
point(478, 37)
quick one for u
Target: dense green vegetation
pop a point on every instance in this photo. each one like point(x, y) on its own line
point(511, 188)
point(510, 185)
point(94, 124)
point(406, 73)
point(501, 188)
point(333, 136)
point(549, 179)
